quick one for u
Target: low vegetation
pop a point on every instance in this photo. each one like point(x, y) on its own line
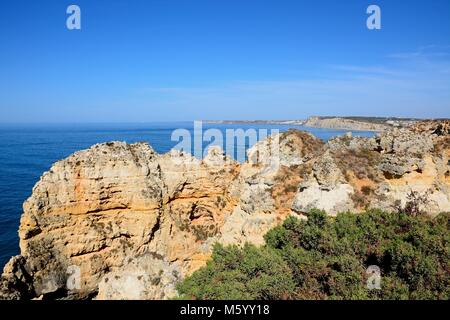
point(362, 163)
point(328, 258)
point(302, 141)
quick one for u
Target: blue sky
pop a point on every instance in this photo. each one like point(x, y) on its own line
point(167, 60)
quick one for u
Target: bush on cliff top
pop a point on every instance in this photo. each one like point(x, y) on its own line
point(327, 258)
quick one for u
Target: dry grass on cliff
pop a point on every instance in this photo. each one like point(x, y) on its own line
point(286, 185)
point(362, 163)
point(360, 169)
point(360, 199)
point(306, 142)
point(441, 146)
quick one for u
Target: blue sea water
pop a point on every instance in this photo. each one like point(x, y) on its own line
point(27, 151)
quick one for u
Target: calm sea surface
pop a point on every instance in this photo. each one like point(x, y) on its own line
point(26, 151)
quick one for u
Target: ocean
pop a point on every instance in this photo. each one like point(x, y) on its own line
point(27, 151)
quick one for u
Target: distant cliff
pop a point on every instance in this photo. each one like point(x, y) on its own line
point(133, 222)
point(357, 123)
point(377, 124)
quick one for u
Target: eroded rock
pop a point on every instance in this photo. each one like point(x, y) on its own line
point(132, 222)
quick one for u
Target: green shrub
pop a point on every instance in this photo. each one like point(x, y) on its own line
point(327, 258)
point(234, 273)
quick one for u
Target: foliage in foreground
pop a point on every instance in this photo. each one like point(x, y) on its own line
point(327, 258)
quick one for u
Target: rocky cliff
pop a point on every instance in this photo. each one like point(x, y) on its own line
point(346, 124)
point(377, 124)
point(119, 221)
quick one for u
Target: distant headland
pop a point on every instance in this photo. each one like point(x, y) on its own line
point(338, 123)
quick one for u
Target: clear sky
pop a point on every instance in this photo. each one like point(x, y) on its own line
point(167, 60)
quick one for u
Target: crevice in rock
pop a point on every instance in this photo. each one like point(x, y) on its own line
point(84, 253)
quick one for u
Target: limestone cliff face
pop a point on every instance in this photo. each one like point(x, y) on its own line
point(102, 209)
point(119, 221)
point(345, 124)
point(381, 172)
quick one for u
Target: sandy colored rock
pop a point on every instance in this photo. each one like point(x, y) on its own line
point(145, 277)
point(131, 223)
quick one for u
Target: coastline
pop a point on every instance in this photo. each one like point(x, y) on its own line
point(116, 209)
point(352, 123)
